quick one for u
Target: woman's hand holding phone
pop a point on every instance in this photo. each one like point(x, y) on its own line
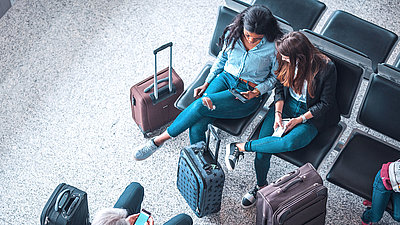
point(199, 91)
point(250, 94)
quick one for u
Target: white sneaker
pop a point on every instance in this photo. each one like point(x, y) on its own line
point(145, 151)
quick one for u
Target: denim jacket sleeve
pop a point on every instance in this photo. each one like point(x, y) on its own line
point(218, 65)
point(269, 83)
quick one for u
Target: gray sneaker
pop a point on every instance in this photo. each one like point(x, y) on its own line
point(145, 151)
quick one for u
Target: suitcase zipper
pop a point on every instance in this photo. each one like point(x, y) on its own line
point(297, 198)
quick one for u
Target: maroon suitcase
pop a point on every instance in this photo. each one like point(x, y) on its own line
point(296, 198)
point(154, 107)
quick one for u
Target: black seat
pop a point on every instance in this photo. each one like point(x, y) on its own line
point(4, 6)
point(363, 155)
point(348, 81)
point(232, 126)
point(301, 14)
point(369, 38)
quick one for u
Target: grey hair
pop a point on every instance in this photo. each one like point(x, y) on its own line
point(111, 216)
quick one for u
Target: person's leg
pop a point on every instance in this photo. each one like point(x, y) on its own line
point(299, 137)
point(131, 199)
point(396, 206)
point(181, 219)
point(223, 105)
point(197, 132)
point(380, 199)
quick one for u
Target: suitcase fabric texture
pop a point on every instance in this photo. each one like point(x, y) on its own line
point(296, 198)
point(200, 178)
point(154, 107)
point(66, 206)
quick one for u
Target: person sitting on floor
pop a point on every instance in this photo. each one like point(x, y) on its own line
point(386, 187)
point(306, 94)
point(127, 208)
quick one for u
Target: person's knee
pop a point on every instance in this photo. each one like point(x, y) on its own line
point(137, 188)
point(263, 156)
point(208, 103)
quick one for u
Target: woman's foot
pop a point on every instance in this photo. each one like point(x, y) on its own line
point(250, 198)
point(145, 151)
point(232, 154)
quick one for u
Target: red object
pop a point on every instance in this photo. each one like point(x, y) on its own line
point(385, 176)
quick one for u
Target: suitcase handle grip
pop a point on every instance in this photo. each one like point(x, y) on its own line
point(155, 68)
point(162, 48)
point(56, 206)
point(298, 180)
point(72, 206)
point(214, 133)
point(152, 85)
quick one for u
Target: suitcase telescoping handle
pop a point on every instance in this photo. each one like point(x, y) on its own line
point(155, 66)
point(218, 140)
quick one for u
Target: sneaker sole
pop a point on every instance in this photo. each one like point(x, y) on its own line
point(227, 153)
point(246, 207)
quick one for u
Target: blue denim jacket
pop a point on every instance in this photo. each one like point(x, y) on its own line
point(256, 65)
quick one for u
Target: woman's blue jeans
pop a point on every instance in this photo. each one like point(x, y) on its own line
point(197, 116)
point(300, 136)
point(131, 200)
point(380, 199)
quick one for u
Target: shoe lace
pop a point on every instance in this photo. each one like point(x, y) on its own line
point(254, 191)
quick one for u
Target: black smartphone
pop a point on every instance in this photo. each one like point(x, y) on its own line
point(238, 95)
point(143, 217)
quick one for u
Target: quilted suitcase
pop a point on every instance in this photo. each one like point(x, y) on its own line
point(66, 206)
point(153, 106)
point(200, 178)
point(296, 198)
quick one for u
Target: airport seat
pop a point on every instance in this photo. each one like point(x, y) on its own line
point(362, 156)
point(232, 126)
point(376, 42)
point(301, 14)
point(348, 82)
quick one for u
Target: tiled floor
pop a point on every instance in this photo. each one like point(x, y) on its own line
point(66, 69)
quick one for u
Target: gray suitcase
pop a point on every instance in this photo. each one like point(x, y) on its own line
point(296, 198)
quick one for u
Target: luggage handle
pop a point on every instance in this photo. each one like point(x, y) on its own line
point(286, 177)
point(57, 205)
point(214, 133)
point(155, 66)
point(298, 180)
point(152, 85)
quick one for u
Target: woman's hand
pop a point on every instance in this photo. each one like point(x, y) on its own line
point(199, 91)
point(292, 123)
point(278, 120)
point(250, 94)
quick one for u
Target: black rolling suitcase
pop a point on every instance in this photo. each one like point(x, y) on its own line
point(200, 178)
point(66, 206)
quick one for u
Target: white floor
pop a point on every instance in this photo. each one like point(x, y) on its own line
point(65, 72)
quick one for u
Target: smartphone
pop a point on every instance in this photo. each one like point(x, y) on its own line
point(143, 217)
point(238, 95)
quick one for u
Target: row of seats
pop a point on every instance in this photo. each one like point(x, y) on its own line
point(374, 41)
point(360, 158)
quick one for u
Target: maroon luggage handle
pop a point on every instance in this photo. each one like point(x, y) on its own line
point(155, 73)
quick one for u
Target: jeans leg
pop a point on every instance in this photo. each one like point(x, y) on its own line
point(226, 106)
point(262, 164)
point(181, 219)
point(131, 199)
point(300, 136)
point(396, 206)
point(380, 199)
point(197, 132)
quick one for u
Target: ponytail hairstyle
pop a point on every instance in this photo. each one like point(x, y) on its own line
point(305, 56)
point(255, 19)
